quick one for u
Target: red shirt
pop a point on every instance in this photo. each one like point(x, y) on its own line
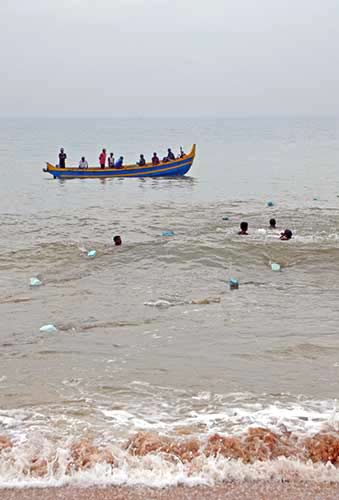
point(102, 158)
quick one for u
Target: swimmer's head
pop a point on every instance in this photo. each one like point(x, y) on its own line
point(117, 240)
point(243, 227)
point(272, 223)
point(286, 235)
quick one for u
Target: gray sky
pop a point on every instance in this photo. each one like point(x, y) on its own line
point(180, 57)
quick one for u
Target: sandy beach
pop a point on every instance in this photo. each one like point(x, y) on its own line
point(232, 491)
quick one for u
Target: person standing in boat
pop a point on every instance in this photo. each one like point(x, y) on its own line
point(155, 159)
point(111, 161)
point(102, 158)
point(83, 163)
point(62, 158)
point(142, 161)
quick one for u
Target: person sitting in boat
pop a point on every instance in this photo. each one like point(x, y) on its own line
point(170, 155)
point(118, 163)
point(155, 159)
point(243, 228)
point(83, 163)
point(111, 161)
point(62, 158)
point(102, 158)
point(142, 161)
point(182, 153)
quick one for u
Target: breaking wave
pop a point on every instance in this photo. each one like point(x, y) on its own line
point(153, 460)
point(293, 442)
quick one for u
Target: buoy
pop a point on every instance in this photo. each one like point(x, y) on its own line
point(234, 284)
point(168, 233)
point(35, 282)
point(275, 267)
point(91, 253)
point(48, 329)
point(270, 204)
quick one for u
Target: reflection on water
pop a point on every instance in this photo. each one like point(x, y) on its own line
point(165, 183)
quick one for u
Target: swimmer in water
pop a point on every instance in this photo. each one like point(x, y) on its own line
point(243, 228)
point(273, 224)
point(286, 235)
point(117, 241)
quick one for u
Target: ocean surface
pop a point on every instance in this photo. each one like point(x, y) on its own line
point(158, 373)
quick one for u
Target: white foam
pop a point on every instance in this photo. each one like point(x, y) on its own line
point(158, 303)
point(230, 415)
point(157, 471)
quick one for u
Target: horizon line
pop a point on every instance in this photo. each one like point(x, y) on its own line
point(143, 116)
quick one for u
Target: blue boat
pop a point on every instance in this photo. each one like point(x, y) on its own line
point(177, 167)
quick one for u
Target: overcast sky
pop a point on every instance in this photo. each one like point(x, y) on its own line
point(178, 57)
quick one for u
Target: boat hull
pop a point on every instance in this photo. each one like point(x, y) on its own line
point(178, 167)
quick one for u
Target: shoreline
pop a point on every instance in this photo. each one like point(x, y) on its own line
point(254, 490)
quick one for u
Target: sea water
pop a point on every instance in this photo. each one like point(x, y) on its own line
point(126, 393)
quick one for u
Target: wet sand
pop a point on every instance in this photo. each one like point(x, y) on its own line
point(260, 490)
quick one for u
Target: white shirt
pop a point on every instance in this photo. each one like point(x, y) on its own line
point(83, 164)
